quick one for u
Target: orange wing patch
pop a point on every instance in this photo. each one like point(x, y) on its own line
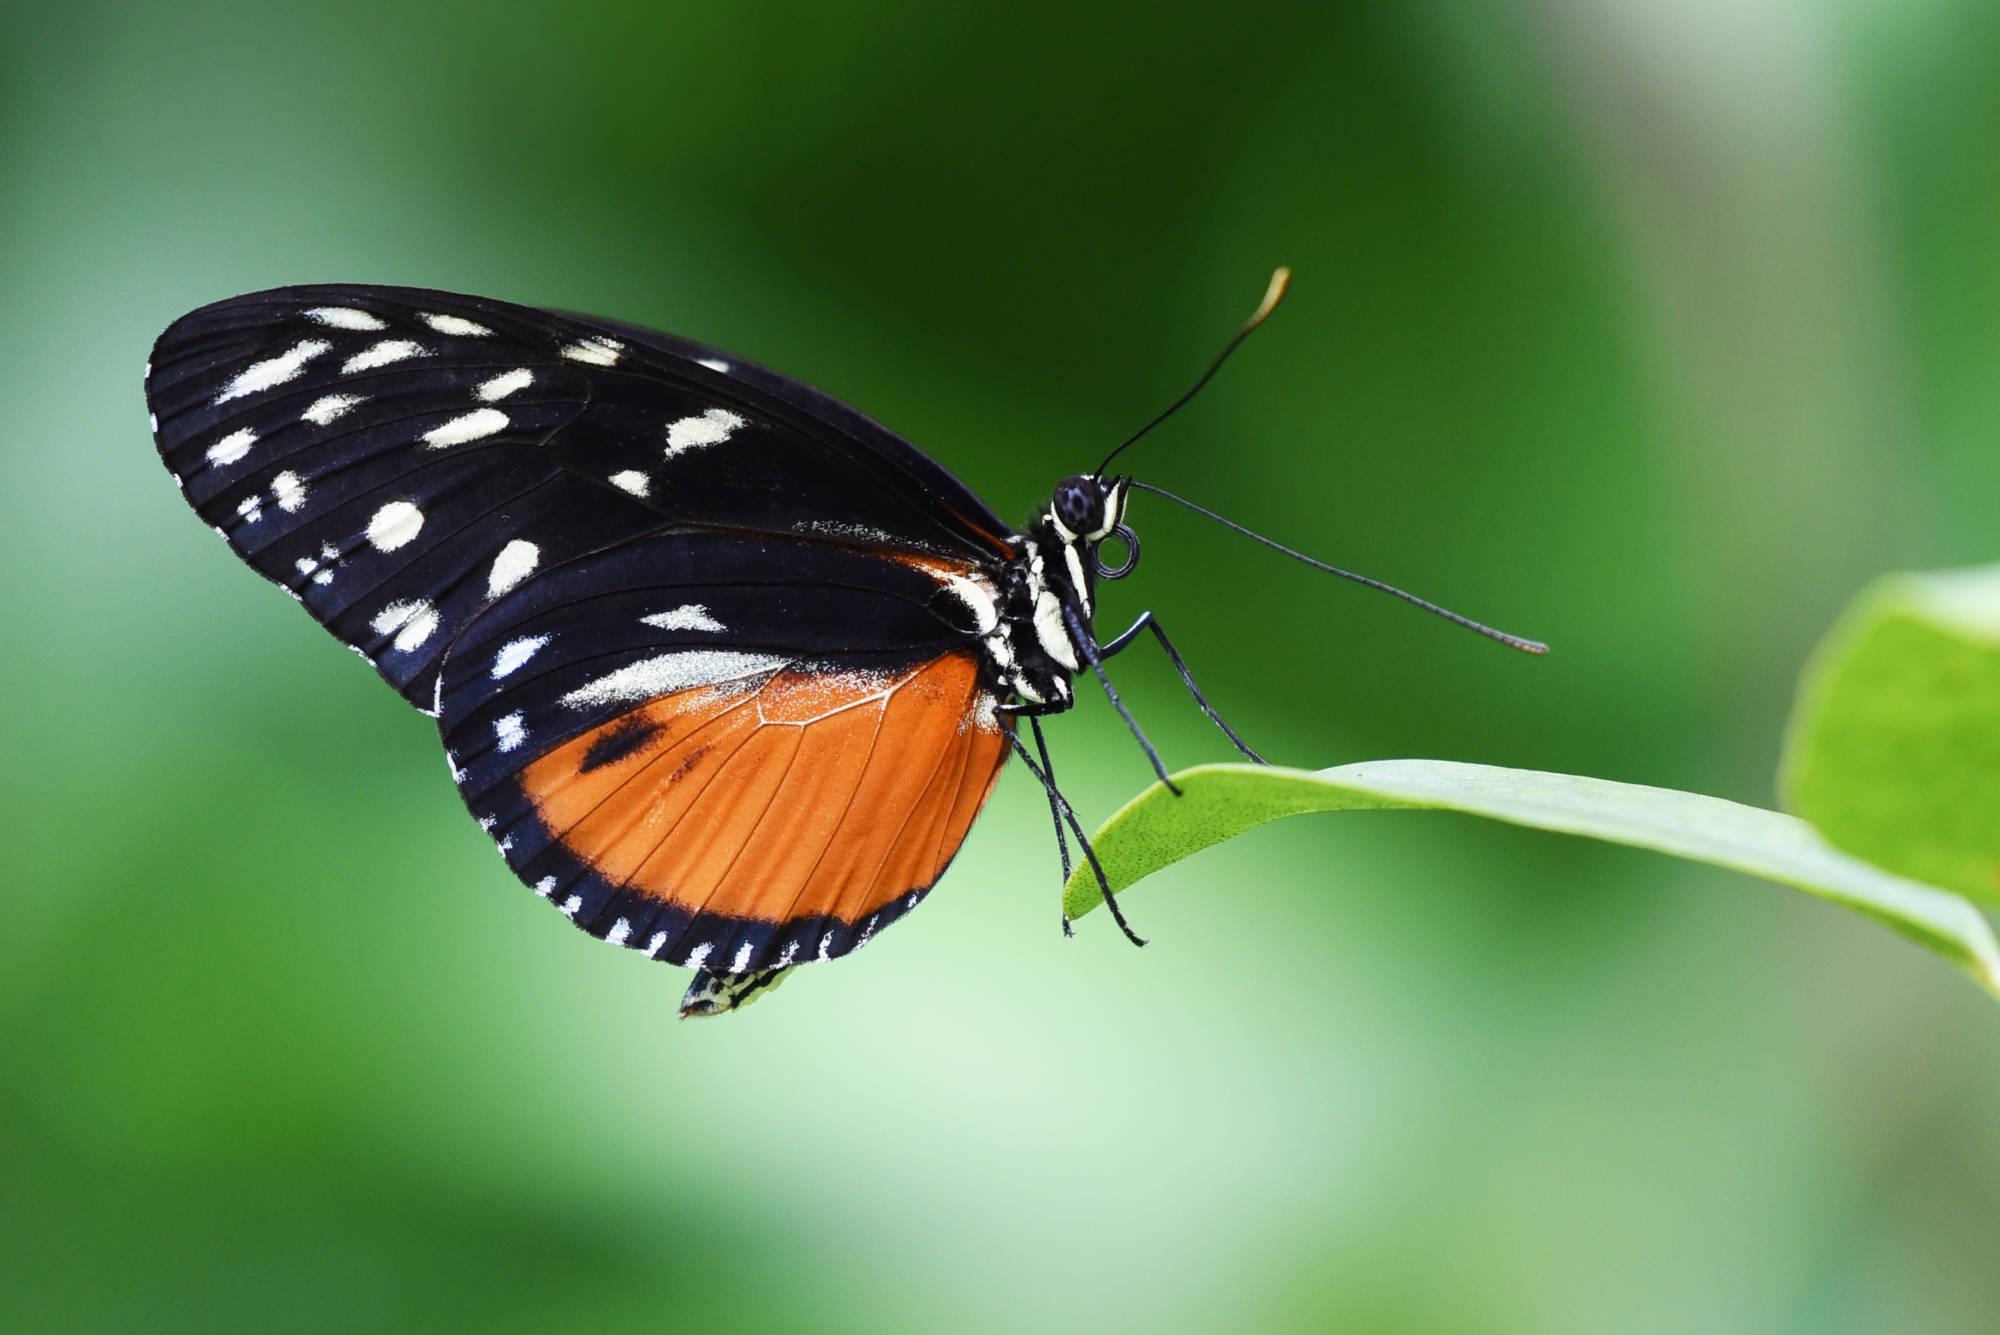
point(808, 795)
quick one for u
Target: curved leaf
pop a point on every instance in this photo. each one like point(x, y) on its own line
point(1219, 802)
point(1894, 749)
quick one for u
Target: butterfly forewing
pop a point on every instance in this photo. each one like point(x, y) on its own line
point(399, 458)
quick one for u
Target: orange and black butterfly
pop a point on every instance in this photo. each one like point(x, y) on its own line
point(725, 668)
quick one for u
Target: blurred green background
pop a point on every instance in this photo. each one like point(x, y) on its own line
point(1651, 328)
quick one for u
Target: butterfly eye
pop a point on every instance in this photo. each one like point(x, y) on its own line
point(1079, 504)
point(1131, 561)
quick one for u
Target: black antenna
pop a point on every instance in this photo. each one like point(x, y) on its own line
point(1512, 641)
point(1281, 279)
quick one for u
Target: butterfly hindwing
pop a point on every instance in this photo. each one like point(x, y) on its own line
point(728, 751)
point(399, 458)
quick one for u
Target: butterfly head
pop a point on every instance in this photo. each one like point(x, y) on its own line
point(1086, 510)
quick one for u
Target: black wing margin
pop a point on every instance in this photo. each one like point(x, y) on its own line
point(398, 458)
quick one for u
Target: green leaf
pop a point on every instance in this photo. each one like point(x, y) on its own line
point(1894, 748)
point(1219, 802)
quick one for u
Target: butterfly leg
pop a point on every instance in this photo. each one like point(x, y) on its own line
point(1091, 655)
point(1083, 840)
point(1147, 621)
point(1055, 812)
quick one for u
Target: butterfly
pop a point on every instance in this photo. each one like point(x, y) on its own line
point(724, 667)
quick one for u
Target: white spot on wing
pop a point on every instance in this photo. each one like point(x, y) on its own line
point(692, 616)
point(251, 510)
point(388, 351)
point(515, 563)
point(395, 525)
point(412, 620)
point(288, 491)
point(331, 408)
point(508, 732)
point(516, 652)
point(834, 528)
point(546, 886)
point(620, 932)
point(344, 317)
point(275, 371)
point(699, 955)
point(455, 325)
point(475, 425)
point(232, 446)
point(709, 428)
point(321, 567)
point(633, 481)
point(507, 382)
point(572, 906)
point(653, 946)
point(594, 351)
point(742, 960)
point(663, 674)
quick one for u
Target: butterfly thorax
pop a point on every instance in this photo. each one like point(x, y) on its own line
point(1048, 597)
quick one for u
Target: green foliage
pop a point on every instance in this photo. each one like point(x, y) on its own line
point(1894, 751)
point(1892, 758)
point(284, 1047)
point(1218, 802)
